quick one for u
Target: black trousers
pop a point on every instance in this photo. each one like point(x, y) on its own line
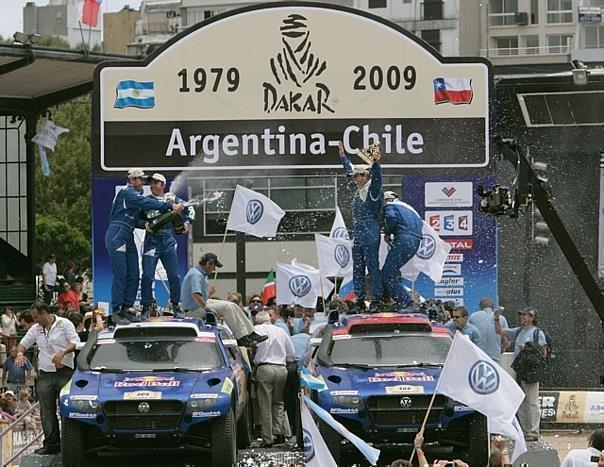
point(48, 387)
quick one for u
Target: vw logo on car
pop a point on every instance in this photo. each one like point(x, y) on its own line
point(144, 407)
point(406, 402)
point(254, 211)
point(483, 378)
point(341, 255)
point(427, 247)
point(300, 285)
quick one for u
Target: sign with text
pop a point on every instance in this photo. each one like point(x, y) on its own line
point(218, 100)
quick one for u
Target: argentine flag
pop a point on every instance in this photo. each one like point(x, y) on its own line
point(132, 93)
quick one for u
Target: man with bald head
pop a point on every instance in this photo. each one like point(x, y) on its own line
point(484, 320)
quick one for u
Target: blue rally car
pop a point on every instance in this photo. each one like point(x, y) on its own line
point(377, 374)
point(160, 384)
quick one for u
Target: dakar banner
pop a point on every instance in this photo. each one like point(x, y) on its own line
point(271, 90)
point(450, 205)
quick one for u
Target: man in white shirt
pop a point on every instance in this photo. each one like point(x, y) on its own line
point(56, 338)
point(271, 360)
point(583, 457)
point(49, 278)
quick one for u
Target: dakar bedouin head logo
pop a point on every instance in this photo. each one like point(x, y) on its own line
point(297, 72)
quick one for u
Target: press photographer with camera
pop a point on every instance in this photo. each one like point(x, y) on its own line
point(530, 350)
point(593, 454)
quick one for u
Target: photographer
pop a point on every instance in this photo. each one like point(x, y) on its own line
point(529, 344)
point(587, 457)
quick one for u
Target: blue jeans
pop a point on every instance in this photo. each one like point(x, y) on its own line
point(119, 241)
point(403, 249)
point(160, 247)
point(365, 250)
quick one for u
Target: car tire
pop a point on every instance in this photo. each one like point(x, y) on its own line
point(73, 443)
point(478, 439)
point(333, 441)
point(224, 441)
point(244, 427)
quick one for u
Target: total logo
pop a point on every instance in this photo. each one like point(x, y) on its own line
point(450, 222)
point(461, 243)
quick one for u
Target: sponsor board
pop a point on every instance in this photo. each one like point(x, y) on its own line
point(404, 389)
point(448, 292)
point(548, 404)
point(343, 410)
point(448, 194)
point(213, 413)
point(137, 395)
point(203, 395)
point(451, 282)
point(82, 416)
point(455, 258)
point(460, 244)
point(594, 408)
point(450, 222)
point(452, 269)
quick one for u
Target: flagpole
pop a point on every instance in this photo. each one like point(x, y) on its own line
point(322, 294)
point(82, 35)
point(221, 250)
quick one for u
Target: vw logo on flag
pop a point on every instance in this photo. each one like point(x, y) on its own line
point(340, 232)
point(427, 247)
point(309, 447)
point(483, 378)
point(254, 211)
point(299, 285)
point(341, 255)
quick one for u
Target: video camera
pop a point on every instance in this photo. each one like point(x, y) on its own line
point(435, 309)
point(498, 201)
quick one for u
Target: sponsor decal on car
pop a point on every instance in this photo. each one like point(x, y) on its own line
point(343, 410)
point(227, 386)
point(213, 413)
point(136, 395)
point(84, 397)
point(400, 376)
point(341, 337)
point(344, 393)
point(204, 395)
point(205, 340)
point(404, 389)
point(84, 416)
point(147, 381)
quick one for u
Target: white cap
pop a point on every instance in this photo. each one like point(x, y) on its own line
point(158, 177)
point(136, 172)
point(10, 393)
point(390, 195)
point(361, 169)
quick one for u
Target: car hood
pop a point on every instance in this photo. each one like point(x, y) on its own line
point(381, 381)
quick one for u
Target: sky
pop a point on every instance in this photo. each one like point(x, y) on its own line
point(11, 19)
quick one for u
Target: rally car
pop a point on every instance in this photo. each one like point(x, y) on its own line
point(376, 375)
point(160, 384)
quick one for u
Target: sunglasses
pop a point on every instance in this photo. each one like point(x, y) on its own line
point(457, 317)
point(256, 301)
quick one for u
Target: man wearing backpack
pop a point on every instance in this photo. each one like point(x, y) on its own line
point(530, 350)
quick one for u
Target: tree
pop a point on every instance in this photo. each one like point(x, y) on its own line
point(65, 195)
point(55, 42)
point(62, 239)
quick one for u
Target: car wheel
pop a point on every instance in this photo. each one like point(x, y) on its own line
point(224, 441)
point(478, 439)
point(333, 441)
point(73, 443)
point(244, 427)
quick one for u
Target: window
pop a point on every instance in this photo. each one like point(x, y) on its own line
point(559, 11)
point(197, 15)
point(594, 37)
point(507, 45)
point(378, 3)
point(207, 14)
point(502, 12)
point(530, 44)
point(433, 9)
point(535, 11)
point(559, 43)
point(406, 1)
point(432, 37)
point(562, 108)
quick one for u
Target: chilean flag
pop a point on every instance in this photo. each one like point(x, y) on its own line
point(453, 90)
point(90, 12)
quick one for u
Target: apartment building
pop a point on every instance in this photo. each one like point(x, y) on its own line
point(119, 30)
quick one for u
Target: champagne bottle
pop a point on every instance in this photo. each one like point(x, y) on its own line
point(171, 216)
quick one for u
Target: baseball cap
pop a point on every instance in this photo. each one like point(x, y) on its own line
point(10, 393)
point(158, 177)
point(211, 257)
point(136, 172)
point(390, 195)
point(529, 310)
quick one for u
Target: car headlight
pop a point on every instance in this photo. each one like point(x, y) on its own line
point(85, 406)
point(349, 401)
point(201, 404)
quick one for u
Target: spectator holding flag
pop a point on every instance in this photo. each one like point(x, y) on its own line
point(404, 223)
point(367, 206)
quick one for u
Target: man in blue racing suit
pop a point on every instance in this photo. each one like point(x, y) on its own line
point(366, 207)
point(125, 215)
point(162, 246)
point(402, 221)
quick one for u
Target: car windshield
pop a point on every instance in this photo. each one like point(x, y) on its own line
point(390, 350)
point(155, 354)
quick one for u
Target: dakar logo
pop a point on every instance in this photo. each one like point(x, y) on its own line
point(254, 211)
point(341, 255)
point(448, 191)
point(296, 70)
point(299, 285)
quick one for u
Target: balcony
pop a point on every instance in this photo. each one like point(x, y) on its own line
point(526, 55)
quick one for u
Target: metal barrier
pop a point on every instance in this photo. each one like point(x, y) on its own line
point(18, 439)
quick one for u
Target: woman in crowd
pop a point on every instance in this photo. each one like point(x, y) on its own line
point(9, 327)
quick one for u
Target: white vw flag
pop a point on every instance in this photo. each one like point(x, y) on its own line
point(511, 429)
point(254, 213)
point(316, 453)
point(338, 229)
point(471, 377)
point(335, 256)
point(300, 284)
point(430, 257)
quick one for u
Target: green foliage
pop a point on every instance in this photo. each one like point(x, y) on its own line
point(65, 196)
point(66, 241)
point(6, 40)
point(55, 42)
point(95, 47)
